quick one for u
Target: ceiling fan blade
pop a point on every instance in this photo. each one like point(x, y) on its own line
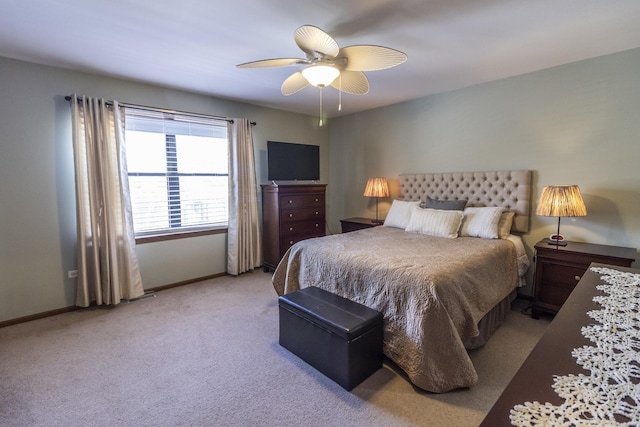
point(294, 83)
point(270, 63)
point(354, 82)
point(371, 58)
point(313, 40)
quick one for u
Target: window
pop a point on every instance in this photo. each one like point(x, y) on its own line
point(178, 171)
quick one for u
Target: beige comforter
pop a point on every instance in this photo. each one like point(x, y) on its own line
point(432, 292)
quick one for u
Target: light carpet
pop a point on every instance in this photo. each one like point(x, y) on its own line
point(207, 354)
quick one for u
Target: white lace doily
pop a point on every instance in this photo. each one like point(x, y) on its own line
point(613, 387)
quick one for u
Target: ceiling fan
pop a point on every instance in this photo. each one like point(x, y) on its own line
point(329, 65)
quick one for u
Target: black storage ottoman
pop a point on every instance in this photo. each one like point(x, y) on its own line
point(340, 338)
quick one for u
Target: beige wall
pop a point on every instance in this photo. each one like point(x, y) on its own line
point(573, 124)
point(37, 201)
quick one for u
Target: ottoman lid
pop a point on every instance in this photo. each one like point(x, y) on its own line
point(341, 316)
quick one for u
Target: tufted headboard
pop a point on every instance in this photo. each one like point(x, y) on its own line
point(510, 189)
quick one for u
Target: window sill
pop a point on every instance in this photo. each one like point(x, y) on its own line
point(179, 235)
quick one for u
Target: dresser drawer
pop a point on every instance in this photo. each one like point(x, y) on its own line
point(292, 215)
point(287, 241)
point(309, 227)
point(294, 201)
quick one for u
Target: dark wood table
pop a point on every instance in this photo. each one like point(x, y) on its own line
point(552, 355)
point(559, 268)
point(357, 223)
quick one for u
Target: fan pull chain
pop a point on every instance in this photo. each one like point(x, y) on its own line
point(320, 106)
point(340, 92)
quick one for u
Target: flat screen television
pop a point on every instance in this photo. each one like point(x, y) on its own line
point(292, 162)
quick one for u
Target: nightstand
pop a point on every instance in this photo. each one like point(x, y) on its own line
point(559, 268)
point(353, 224)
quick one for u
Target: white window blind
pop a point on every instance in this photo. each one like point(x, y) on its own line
point(178, 171)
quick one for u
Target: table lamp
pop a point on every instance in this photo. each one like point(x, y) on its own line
point(377, 187)
point(560, 200)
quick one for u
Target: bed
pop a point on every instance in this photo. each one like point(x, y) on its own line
point(439, 296)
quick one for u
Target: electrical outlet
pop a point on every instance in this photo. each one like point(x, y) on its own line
point(72, 273)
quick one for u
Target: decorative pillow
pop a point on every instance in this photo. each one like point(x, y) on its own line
point(481, 222)
point(447, 205)
point(400, 213)
point(504, 225)
point(435, 222)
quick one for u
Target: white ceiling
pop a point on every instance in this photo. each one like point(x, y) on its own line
point(195, 44)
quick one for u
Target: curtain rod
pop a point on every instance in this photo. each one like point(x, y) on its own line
point(144, 107)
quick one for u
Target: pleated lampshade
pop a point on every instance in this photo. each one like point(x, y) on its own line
point(561, 201)
point(377, 187)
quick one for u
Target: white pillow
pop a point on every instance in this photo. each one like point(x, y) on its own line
point(435, 222)
point(400, 213)
point(481, 222)
point(504, 225)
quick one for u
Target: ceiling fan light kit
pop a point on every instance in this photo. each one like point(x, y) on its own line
point(325, 61)
point(320, 75)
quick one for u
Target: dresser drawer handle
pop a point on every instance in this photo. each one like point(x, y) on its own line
point(317, 213)
point(291, 242)
point(290, 228)
point(317, 225)
point(290, 215)
point(316, 199)
point(290, 201)
point(577, 278)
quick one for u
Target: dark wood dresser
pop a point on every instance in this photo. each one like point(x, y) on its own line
point(552, 355)
point(290, 213)
point(559, 268)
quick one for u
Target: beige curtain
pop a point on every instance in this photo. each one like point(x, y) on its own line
point(108, 270)
point(244, 251)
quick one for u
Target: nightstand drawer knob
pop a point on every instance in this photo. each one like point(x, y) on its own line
point(290, 228)
point(290, 215)
point(577, 278)
point(317, 225)
point(290, 201)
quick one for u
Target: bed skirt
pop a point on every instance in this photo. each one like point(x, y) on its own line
point(490, 322)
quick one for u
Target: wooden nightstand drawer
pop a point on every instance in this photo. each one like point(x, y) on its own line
point(562, 275)
point(559, 281)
